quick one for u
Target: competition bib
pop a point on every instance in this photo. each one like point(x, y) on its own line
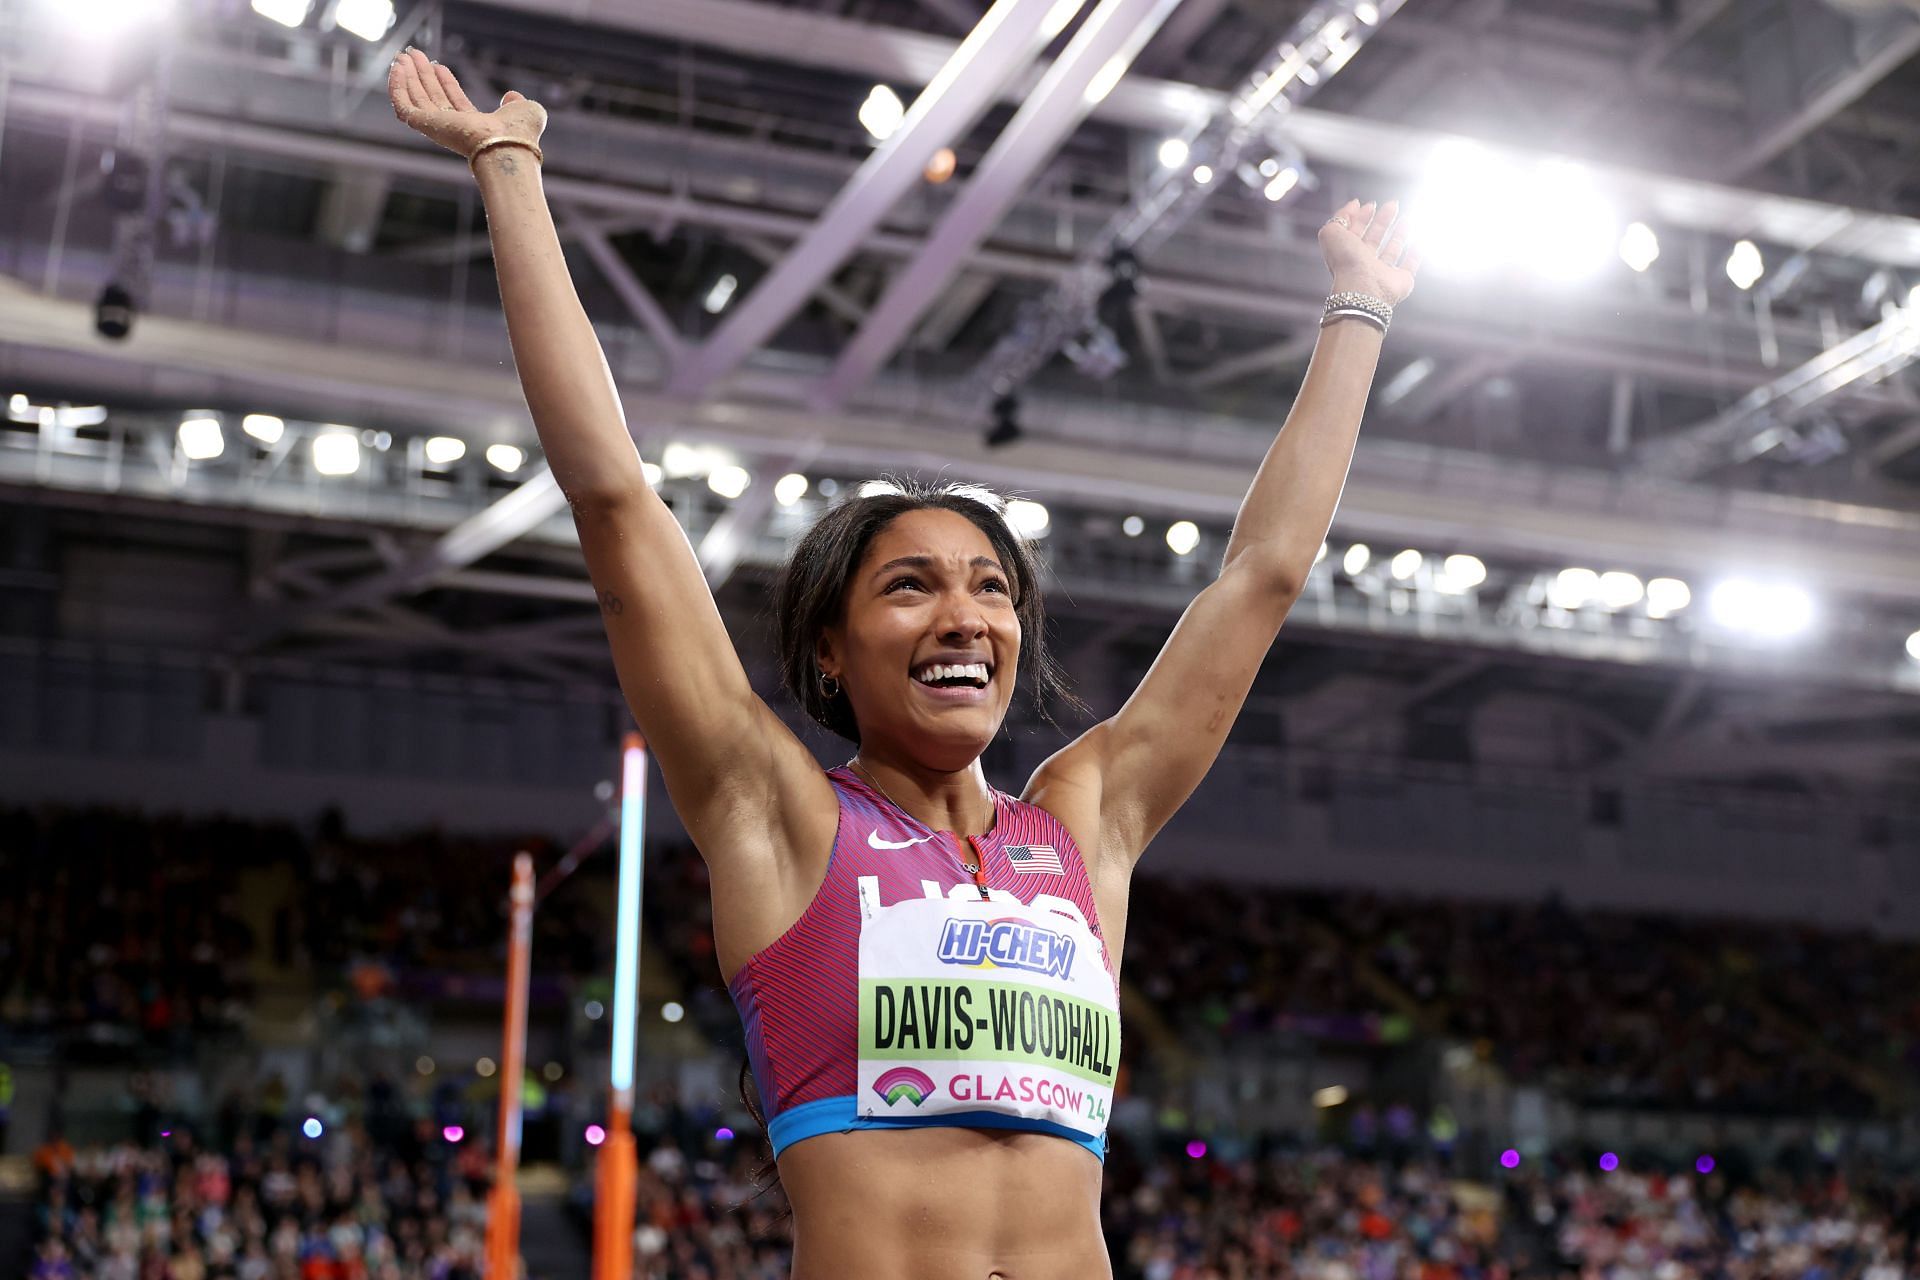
point(970, 1005)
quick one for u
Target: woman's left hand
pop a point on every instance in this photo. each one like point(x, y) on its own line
point(1366, 250)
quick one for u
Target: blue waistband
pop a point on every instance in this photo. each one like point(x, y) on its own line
point(837, 1115)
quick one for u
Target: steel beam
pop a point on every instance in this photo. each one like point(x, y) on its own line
point(1006, 41)
point(1114, 32)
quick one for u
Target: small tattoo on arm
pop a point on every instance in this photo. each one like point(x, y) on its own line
point(611, 603)
point(508, 166)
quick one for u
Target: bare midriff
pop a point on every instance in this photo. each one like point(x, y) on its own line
point(944, 1204)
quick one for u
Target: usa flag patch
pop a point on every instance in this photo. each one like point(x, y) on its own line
point(1034, 860)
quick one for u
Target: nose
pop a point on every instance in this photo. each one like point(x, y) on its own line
point(960, 618)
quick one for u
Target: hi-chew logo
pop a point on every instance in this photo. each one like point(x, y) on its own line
point(1007, 943)
point(908, 1084)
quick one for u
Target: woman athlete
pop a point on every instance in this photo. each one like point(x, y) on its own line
point(926, 967)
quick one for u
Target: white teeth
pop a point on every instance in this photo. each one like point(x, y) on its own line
point(936, 671)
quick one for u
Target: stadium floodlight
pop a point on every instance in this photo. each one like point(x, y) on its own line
point(1573, 589)
point(1321, 554)
point(672, 1011)
point(729, 481)
point(368, 19)
point(720, 294)
point(789, 488)
point(201, 438)
point(506, 457)
point(1406, 564)
point(1173, 153)
point(651, 472)
point(1331, 1096)
point(1459, 574)
point(336, 453)
point(1619, 589)
point(1355, 562)
point(1913, 646)
point(1367, 13)
point(1464, 180)
point(882, 114)
point(1745, 266)
point(1284, 181)
point(288, 13)
point(1771, 610)
point(1133, 526)
point(444, 451)
point(1202, 174)
point(107, 19)
point(264, 427)
point(1639, 247)
point(1029, 519)
point(1576, 237)
point(1183, 536)
point(1666, 596)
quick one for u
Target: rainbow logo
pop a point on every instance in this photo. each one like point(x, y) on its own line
point(910, 1083)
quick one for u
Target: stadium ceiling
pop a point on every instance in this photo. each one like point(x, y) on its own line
point(314, 260)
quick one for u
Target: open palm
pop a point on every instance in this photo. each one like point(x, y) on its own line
point(1367, 251)
point(429, 100)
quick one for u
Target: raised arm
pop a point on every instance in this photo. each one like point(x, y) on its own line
point(1130, 773)
point(731, 765)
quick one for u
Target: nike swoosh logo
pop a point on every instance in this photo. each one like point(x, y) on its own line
point(873, 839)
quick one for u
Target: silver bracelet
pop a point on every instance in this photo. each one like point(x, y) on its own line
point(1352, 313)
point(1346, 301)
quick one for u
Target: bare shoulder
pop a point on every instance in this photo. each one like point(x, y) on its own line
point(1068, 785)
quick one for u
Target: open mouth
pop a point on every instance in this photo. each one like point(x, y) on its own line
point(968, 675)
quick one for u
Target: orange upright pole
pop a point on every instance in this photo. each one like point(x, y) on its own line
point(503, 1204)
point(615, 1175)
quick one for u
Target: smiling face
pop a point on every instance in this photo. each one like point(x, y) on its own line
point(928, 642)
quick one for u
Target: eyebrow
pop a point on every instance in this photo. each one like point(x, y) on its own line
point(927, 562)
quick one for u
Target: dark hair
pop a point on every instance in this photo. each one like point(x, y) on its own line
point(811, 592)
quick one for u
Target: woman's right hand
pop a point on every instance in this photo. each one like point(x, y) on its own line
point(428, 100)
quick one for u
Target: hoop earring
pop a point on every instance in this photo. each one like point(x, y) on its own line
point(829, 687)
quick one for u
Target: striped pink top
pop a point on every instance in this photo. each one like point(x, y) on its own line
point(799, 998)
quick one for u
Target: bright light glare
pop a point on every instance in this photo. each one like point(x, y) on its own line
point(1667, 595)
point(671, 1011)
point(1173, 153)
point(1459, 574)
point(1913, 646)
point(1745, 266)
point(651, 472)
point(1355, 562)
point(1618, 589)
point(1574, 589)
point(1367, 13)
point(1133, 526)
point(1058, 17)
point(1331, 1096)
point(201, 439)
point(1321, 554)
point(1106, 78)
point(312, 1127)
point(1460, 229)
point(729, 481)
point(882, 113)
point(1576, 235)
point(485, 1067)
point(720, 295)
point(1203, 174)
point(1283, 182)
point(336, 453)
point(1029, 519)
point(1183, 536)
point(453, 1133)
point(1406, 564)
point(1775, 610)
point(595, 1135)
point(288, 13)
point(263, 427)
point(789, 488)
point(444, 450)
point(506, 457)
point(1639, 247)
point(368, 19)
point(1913, 298)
